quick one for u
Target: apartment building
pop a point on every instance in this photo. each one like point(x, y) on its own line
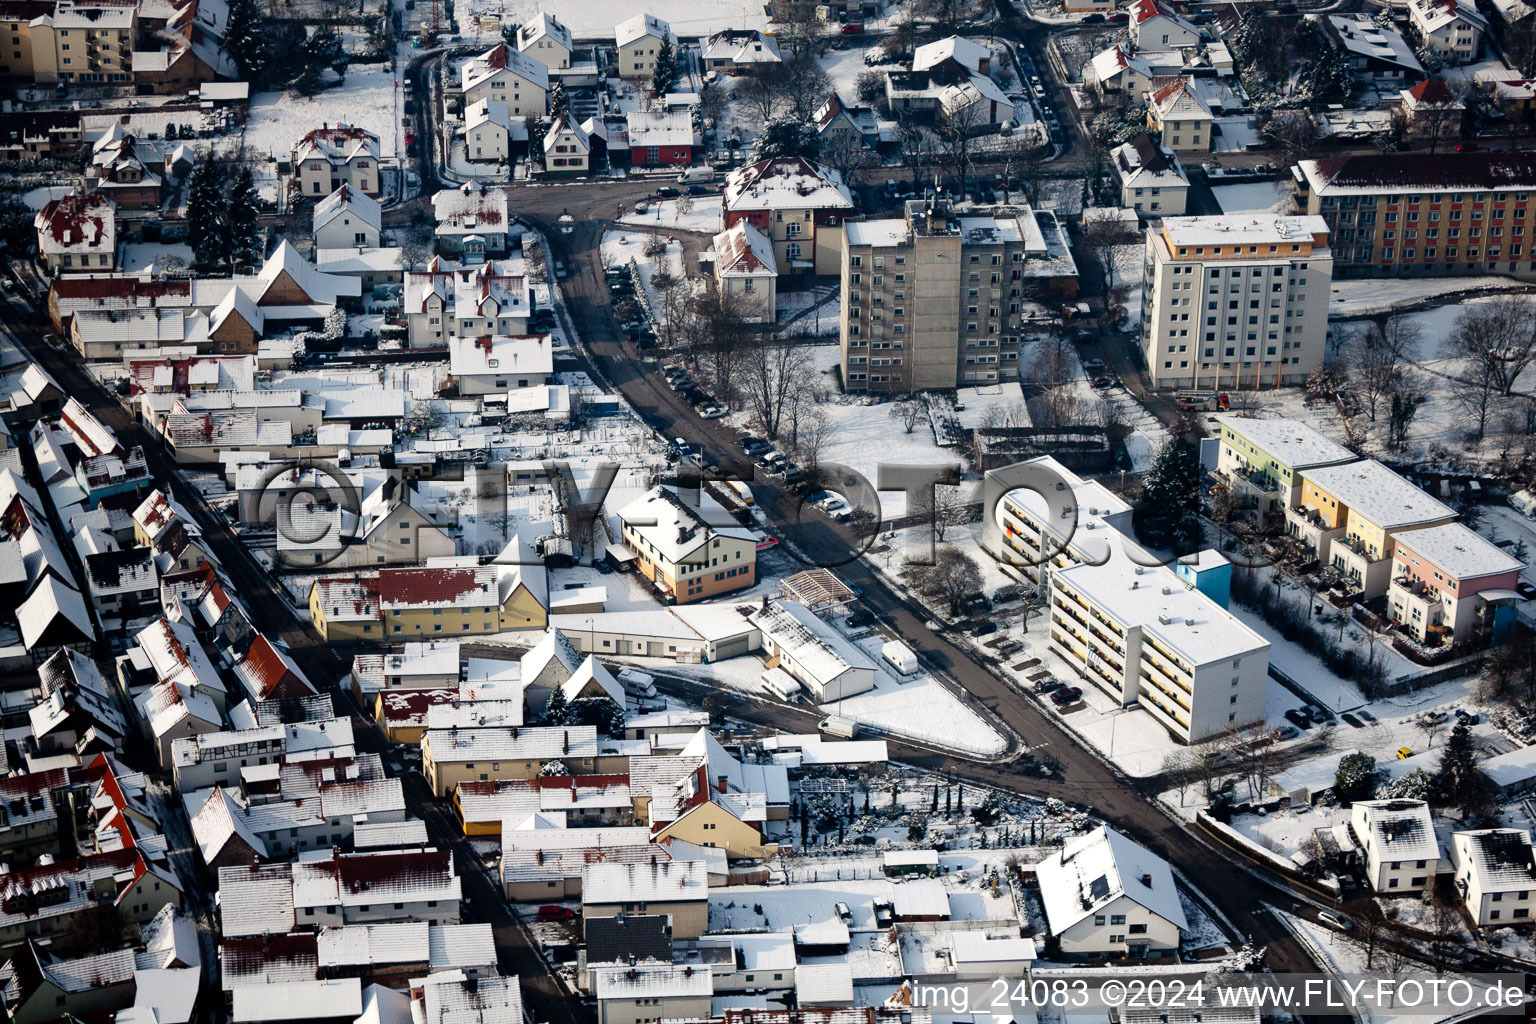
point(1236, 301)
point(1262, 461)
point(1350, 516)
point(1452, 29)
point(73, 42)
point(933, 299)
point(1037, 527)
point(1449, 585)
point(509, 77)
point(638, 40)
point(452, 756)
point(1430, 214)
point(689, 552)
point(796, 203)
point(1145, 636)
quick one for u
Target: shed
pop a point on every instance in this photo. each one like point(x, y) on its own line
point(924, 900)
point(911, 862)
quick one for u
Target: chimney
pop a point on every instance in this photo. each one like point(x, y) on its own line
point(720, 783)
point(565, 742)
point(1146, 879)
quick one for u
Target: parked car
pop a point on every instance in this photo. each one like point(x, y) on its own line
point(860, 619)
point(681, 446)
point(1066, 695)
point(1297, 718)
point(668, 192)
point(711, 412)
point(553, 912)
point(750, 445)
point(1337, 922)
point(1404, 753)
point(1047, 685)
point(697, 190)
point(983, 628)
point(1287, 732)
point(852, 28)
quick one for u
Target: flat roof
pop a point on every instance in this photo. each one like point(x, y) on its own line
point(1459, 552)
point(1378, 494)
point(1244, 229)
point(1289, 441)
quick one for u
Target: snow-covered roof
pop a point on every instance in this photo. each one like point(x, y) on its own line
point(1107, 64)
point(512, 744)
point(1362, 36)
point(972, 947)
point(297, 1000)
point(1458, 552)
point(1291, 442)
point(455, 997)
point(470, 210)
point(347, 199)
point(1396, 830)
point(256, 899)
point(1433, 15)
point(487, 110)
point(651, 981)
point(1178, 100)
point(502, 58)
point(1243, 229)
point(824, 984)
point(785, 183)
point(1144, 162)
point(76, 223)
point(925, 897)
point(501, 355)
point(566, 133)
point(674, 527)
point(666, 882)
point(641, 25)
point(810, 642)
point(660, 128)
point(966, 52)
point(742, 250)
point(339, 144)
point(742, 46)
point(1500, 858)
point(543, 26)
point(1393, 173)
point(1098, 868)
point(1379, 495)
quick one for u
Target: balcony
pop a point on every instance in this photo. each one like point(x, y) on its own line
point(1256, 483)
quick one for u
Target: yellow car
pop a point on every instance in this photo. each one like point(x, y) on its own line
point(1403, 753)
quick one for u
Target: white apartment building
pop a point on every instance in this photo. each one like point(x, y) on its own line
point(1236, 301)
point(1495, 874)
point(1453, 29)
point(1398, 837)
point(1145, 636)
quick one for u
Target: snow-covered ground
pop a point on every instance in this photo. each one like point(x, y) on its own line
point(156, 257)
point(367, 99)
point(700, 213)
point(814, 311)
point(1252, 197)
point(1129, 262)
point(619, 247)
point(41, 197)
point(1364, 296)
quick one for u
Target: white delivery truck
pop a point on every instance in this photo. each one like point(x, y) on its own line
point(899, 656)
point(832, 725)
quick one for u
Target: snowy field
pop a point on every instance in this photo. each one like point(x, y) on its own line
point(1367, 295)
point(688, 18)
point(701, 214)
point(1253, 197)
point(367, 99)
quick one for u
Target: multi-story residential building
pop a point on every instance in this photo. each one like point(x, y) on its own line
point(688, 552)
point(1377, 54)
point(1152, 182)
point(676, 887)
point(796, 203)
point(1144, 636)
point(77, 233)
point(1416, 213)
point(1263, 461)
point(1027, 533)
point(448, 300)
point(546, 39)
point(746, 272)
point(1495, 875)
point(1398, 837)
point(933, 299)
point(567, 148)
point(509, 77)
point(1236, 301)
point(1454, 29)
point(488, 131)
point(346, 219)
point(638, 41)
point(84, 42)
point(1449, 585)
point(1351, 515)
point(328, 158)
point(494, 364)
point(651, 992)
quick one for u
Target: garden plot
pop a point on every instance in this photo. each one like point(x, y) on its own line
point(366, 99)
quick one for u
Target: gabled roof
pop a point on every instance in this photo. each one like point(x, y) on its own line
point(592, 673)
point(453, 997)
point(488, 111)
point(642, 25)
point(338, 144)
point(554, 647)
point(543, 26)
point(498, 59)
point(1144, 161)
point(347, 199)
point(1439, 172)
point(677, 528)
point(743, 46)
point(75, 222)
point(219, 821)
point(1143, 11)
point(786, 183)
point(501, 354)
point(1434, 15)
point(55, 612)
point(1098, 868)
point(567, 128)
point(1396, 830)
point(1177, 100)
point(966, 52)
point(742, 250)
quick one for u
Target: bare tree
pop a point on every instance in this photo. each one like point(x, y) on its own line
point(769, 373)
point(943, 506)
point(950, 15)
point(1431, 727)
point(1474, 391)
point(1446, 931)
point(910, 413)
point(1295, 134)
point(816, 431)
point(1378, 355)
point(956, 127)
point(760, 93)
point(847, 156)
point(1099, 238)
point(1501, 334)
point(805, 84)
point(719, 329)
point(1434, 124)
point(1178, 771)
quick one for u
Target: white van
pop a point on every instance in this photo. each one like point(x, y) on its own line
point(845, 728)
point(637, 683)
point(696, 175)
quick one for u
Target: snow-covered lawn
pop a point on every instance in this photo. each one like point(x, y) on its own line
point(366, 100)
point(813, 311)
point(702, 214)
point(1129, 260)
point(1365, 296)
point(41, 197)
point(1252, 197)
point(919, 707)
point(619, 247)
